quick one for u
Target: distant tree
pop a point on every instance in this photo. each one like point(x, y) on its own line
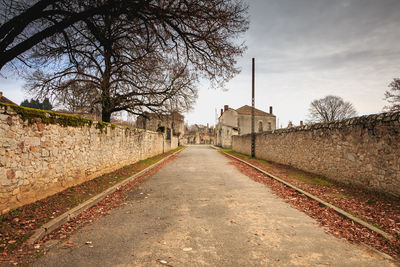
point(35, 103)
point(393, 96)
point(330, 108)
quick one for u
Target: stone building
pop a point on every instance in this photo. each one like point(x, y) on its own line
point(238, 122)
point(172, 124)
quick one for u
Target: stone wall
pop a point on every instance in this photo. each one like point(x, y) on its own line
point(170, 144)
point(42, 153)
point(362, 151)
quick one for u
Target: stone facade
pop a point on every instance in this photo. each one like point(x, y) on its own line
point(238, 122)
point(363, 151)
point(38, 158)
point(170, 125)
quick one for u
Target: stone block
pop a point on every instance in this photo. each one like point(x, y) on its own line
point(3, 117)
point(10, 121)
point(350, 157)
point(4, 181)
point(19, 174)
point(55, 152)
point(40, 126)
point(33, 141)
point(10, 174)
point(16, 191)
point(45, 153)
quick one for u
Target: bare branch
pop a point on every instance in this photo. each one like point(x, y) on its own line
point(330, 108)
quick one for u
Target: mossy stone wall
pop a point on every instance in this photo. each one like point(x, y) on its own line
point(43, 152)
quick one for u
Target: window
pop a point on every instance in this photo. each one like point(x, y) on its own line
point(168, 134)
point(161, 129)
point(269, 126)
point(260, 126)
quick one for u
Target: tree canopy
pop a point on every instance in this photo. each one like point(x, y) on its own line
point(26, 23)
point(145, 56)
point(330, 108)
point(35, 103)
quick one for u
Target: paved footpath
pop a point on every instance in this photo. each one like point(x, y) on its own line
point(198, 210)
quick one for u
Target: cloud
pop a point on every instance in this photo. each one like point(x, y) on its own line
point(306, 49)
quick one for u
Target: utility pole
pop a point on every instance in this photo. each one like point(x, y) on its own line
point(253, 134)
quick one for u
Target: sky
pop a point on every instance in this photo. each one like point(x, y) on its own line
point(307, 49)
point(304, 50)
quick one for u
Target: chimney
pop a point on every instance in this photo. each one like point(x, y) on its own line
point(301, 123)
point(270, 110)
point(226, 107)
point(222, 111)
point(207, 126)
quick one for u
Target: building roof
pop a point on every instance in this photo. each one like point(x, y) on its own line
point(5, 100)
point(246, 110)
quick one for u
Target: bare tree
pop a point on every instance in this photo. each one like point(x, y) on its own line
point(150, 61)
point(330, 108)
point(393, 96)
point(194, 25)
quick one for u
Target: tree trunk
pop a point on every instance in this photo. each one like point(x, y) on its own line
point(106, 105)
point(105, 116)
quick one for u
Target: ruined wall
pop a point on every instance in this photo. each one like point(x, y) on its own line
point(42, 153)
point(170, 144)
point(363, 151)
point(225, 134)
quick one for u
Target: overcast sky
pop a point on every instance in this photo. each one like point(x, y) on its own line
point(305, 49)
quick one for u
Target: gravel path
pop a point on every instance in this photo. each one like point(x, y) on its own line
point(201, 211)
